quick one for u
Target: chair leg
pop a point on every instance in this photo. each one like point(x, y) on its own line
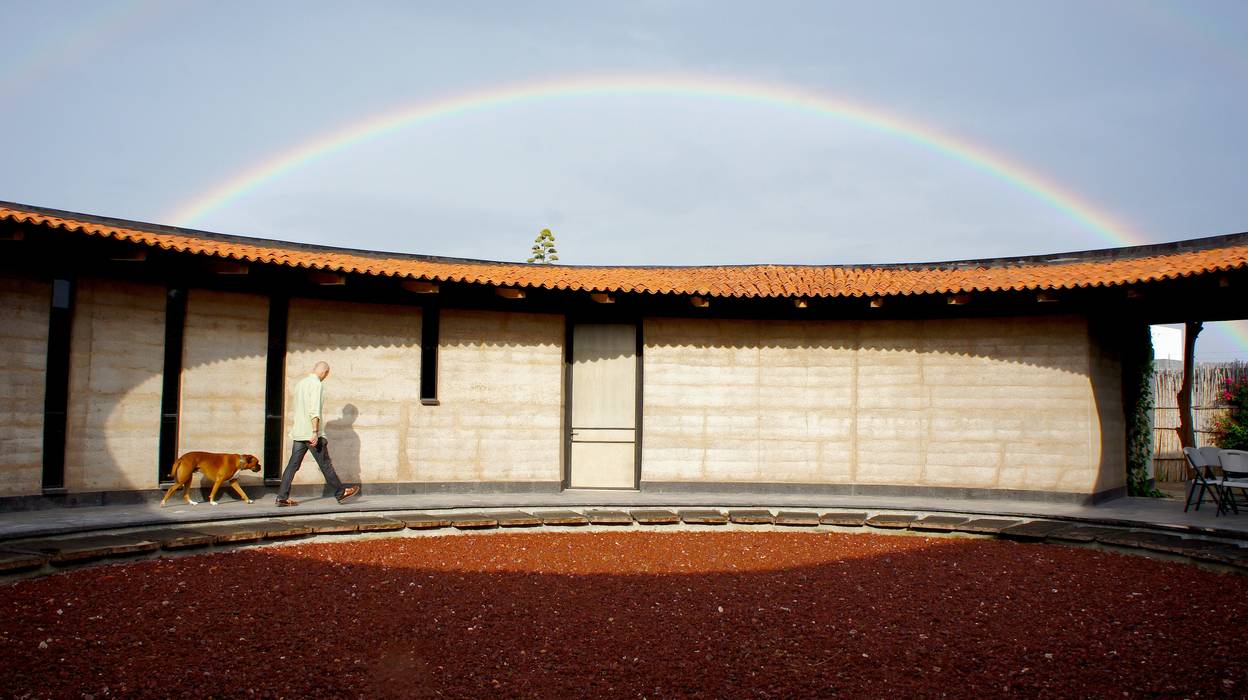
point(1214, 495)
point(1219, 498)
point(1191, 491)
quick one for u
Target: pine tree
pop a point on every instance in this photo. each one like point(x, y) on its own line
point(544, 248)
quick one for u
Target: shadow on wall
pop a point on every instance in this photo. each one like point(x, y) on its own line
point(344, 446)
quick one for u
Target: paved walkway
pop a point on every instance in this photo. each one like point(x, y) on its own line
point(1165, 514)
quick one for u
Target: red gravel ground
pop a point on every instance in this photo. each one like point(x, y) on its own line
point(640, 614)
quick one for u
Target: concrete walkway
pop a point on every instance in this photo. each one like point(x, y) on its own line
point(1162, 514)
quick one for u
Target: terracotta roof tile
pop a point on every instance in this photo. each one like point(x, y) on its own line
point(1092, 269)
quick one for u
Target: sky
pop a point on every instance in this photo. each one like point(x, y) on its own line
point(646, 132)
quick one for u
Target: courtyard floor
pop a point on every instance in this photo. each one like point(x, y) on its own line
point(630, 614)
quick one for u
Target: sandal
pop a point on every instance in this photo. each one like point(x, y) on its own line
point(286, 502)
point(348, 493)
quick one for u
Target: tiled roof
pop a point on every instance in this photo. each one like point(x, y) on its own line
point(1118, 266)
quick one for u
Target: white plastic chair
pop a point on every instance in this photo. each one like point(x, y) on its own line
point(1203, 481)
point(1234, 476)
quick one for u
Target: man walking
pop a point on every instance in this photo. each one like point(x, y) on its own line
point(308, 432)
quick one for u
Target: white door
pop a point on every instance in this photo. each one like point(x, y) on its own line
point(604, 406)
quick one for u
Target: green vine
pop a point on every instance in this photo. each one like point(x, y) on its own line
point(1137, 395)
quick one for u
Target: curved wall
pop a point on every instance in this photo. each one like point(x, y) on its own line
point(1010, 404)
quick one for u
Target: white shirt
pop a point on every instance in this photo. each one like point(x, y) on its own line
point(309, 396)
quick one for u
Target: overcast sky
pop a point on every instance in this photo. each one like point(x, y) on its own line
point(139, 109)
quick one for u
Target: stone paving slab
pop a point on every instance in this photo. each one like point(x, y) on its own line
point(371, 523)
point(1226, 554)
point(1159, 542)
point(891, 521)
point(325, 526)
point(1188, 547)
point(702, 516)
point(1171, 544)
point(843, 519)
point(285, 529)
point(751, 516)
point(84, 548)
point(1079, 533)
point(562, 517)
point(653, 516)
point(938, 523)
point(1139, 540)
point(178, 537)
point(989, 526)
point(11, 562)
point(1034, 531)
point(608, 517)
point(424, 521)
point(471, 521)
point(795, 518)
point(515, 518)
point(233, 533)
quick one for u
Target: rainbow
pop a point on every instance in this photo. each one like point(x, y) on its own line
point(318, 148)
point(376, 127)
point(1236, 331)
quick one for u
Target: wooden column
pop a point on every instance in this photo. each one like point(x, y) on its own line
point(171, 389)
point(56, 384)
point(275, 388)
point(1187, 421)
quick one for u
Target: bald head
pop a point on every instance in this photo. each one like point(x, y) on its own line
point(321, 370)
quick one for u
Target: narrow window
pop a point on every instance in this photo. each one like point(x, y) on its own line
point(56, 386)
point(275, 388)
point(429, 324)
point(171, 389)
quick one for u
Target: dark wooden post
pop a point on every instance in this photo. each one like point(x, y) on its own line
point(171, 383)
point(56, 388)
point(275, 388)
point(1187, 422)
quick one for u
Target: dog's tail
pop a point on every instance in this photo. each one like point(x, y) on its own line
point(174, 469)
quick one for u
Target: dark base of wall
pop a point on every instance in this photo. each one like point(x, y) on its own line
point(880, 490)
point(130, 498)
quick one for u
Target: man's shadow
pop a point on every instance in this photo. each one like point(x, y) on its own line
point(344, 446)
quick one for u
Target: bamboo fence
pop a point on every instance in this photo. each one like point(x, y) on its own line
point(1207, 384)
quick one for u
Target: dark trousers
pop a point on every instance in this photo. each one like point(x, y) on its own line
point(321, 454)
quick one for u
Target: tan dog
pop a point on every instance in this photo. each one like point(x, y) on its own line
point(220, 468)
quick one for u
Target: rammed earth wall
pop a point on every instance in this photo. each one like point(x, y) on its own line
point(225, 348)
point(117, 357)
point(24, 337)
point(500, 386)
point(373, 391)
point(1020, 404)
point(1017, 404)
